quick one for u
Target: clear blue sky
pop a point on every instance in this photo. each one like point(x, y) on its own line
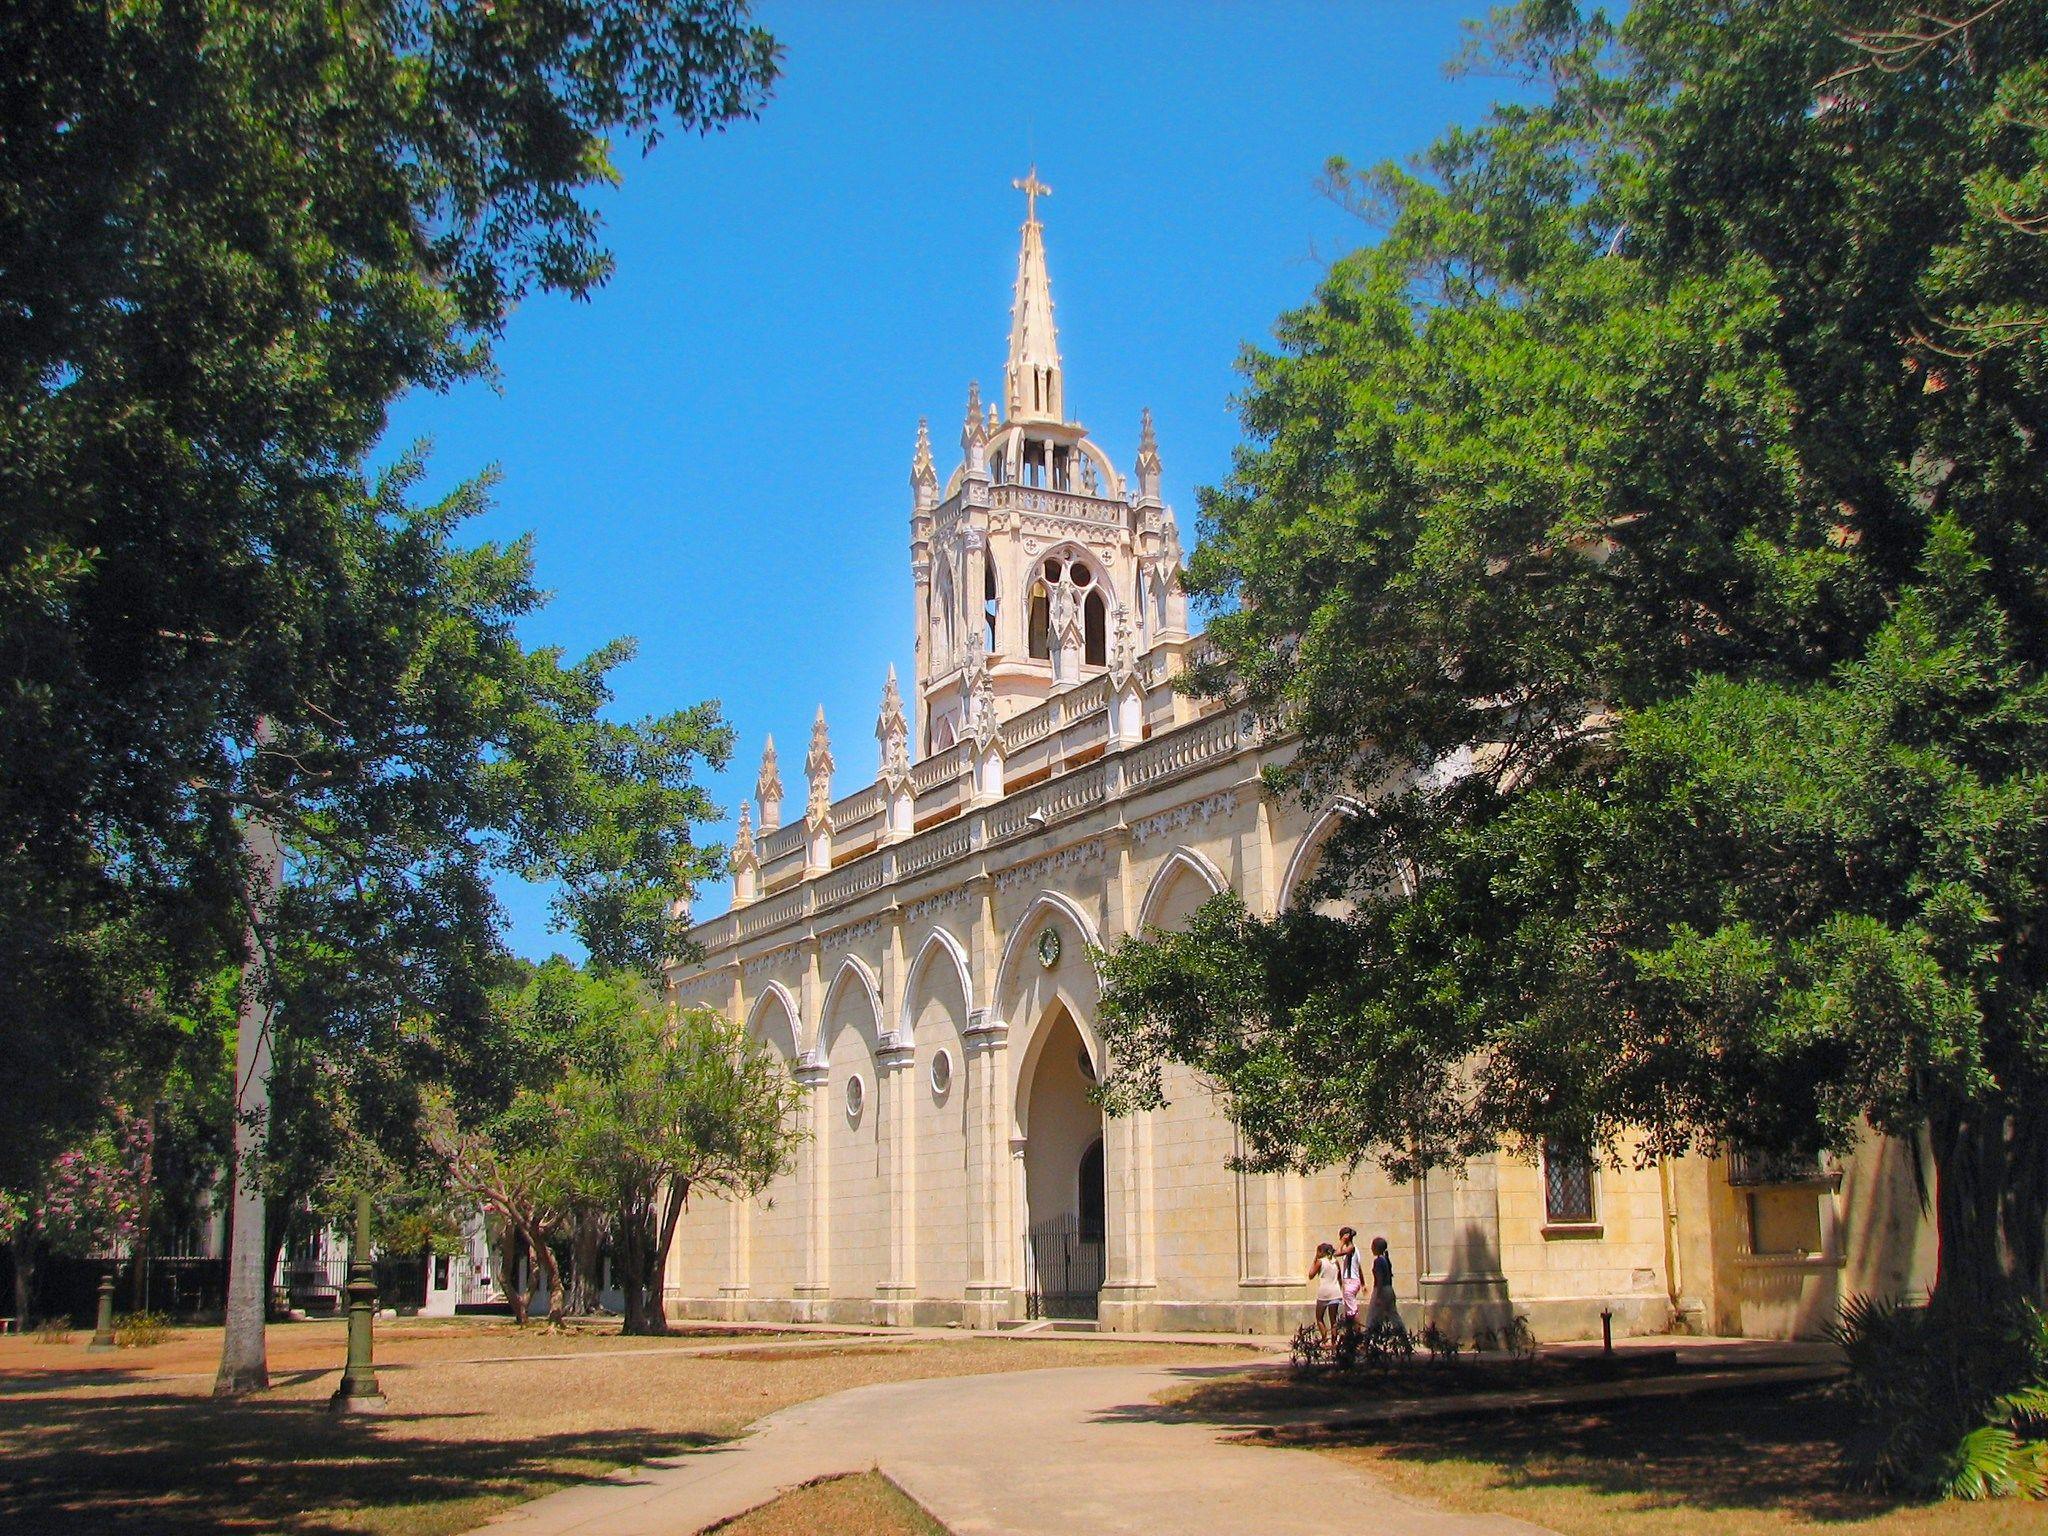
point(714, 452)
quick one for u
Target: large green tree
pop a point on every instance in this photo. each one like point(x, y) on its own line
point(1652, 529)
point(257, 702)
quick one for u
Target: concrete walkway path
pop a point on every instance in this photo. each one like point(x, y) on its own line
point(1027, 1453)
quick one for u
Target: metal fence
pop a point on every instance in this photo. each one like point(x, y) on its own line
point(187, 1288)
point(320, 1285)
point(175, 1286)
point(1064, 1269)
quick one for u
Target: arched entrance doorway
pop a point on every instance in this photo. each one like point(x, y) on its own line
point(1064, 1194)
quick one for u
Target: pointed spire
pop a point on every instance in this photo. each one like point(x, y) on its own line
point(768, 788)
point(924, 475)
point(1148, 461)
point(892, 730)
point(1032, 377)
point(818, 767)
point(745, 861)
point(973, 436)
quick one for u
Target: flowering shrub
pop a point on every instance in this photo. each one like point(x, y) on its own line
point(91, 1199)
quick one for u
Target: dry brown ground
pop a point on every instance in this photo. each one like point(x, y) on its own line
point(866, 1504)
point(1769, 1462)
point(131, 1441)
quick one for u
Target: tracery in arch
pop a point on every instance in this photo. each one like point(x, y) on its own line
point(1068, 615)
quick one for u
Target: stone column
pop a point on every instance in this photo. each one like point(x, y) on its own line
point(739, 1243)
point(895, 1061)
point(1020, 1209)
point(739, 1225)
point(814, 1177)
point(896, 1066)
point(1267, 1282)
point(986, 1043)
point(1129, 1289)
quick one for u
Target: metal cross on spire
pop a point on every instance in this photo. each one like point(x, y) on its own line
point(1033, 189)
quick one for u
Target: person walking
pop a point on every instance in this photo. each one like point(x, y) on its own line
point(1329, 1291)
point(1379, 1309)
point(1350, 1272)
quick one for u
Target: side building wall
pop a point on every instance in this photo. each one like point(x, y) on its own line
point(923, 1196)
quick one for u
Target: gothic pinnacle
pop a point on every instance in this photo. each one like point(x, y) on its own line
point(1148, 459)
point(972, 428)
point(892, 730)
point(768, 788)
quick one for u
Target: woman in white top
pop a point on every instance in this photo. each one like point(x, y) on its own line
point(1329, 1291)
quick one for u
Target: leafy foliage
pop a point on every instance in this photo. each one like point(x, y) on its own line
point(139, 1330)
point(503, 1144)
point(1946, 1398)
point(1651, 531)
point(232, 234)
point(690, 1107)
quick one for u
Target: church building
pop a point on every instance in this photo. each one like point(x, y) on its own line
point(918, 951)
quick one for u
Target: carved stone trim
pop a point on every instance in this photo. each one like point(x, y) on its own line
point(1180, 816)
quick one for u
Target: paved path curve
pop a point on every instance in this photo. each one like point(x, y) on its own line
point(1025, 1453)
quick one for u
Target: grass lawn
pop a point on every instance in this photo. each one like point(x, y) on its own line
point(866, 1504)
point(481, 1416)
point(1769, 1462)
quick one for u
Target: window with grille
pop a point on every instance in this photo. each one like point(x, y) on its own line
point(1567, 1186)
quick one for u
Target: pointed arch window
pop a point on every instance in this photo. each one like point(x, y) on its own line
point(942, 614)
point(1040, 637)
point(988, 602)
point(1095, 630)
point(1091, 1204)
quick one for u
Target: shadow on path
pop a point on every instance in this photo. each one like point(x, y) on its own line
point(126, 1462)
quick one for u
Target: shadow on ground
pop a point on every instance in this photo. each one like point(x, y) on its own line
point(1782, 1448)
point(76, 1465)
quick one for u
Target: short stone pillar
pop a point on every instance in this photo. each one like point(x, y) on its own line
point(103, 1330)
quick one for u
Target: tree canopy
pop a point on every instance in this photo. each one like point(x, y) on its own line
point(230, 235)
point(1647, 534)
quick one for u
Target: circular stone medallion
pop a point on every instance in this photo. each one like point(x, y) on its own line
point(1049, 947)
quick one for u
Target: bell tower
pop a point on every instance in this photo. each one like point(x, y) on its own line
point(1037, 568)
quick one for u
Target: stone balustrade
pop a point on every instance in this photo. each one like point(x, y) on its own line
point(952, 825)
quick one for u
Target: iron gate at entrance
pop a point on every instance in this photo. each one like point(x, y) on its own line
point(1063, 1269)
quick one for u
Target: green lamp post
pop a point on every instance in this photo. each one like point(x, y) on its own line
point(358, 1392)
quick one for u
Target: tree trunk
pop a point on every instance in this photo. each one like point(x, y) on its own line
point(586, 1254)
point(645, 1235)
point(1988, 1210)
point(2026, 1202)
point(506, 1252)
point(639, 1272)
point(243, 1364)
point(22, 1244)
point(277, 1224)
point(550, 1271)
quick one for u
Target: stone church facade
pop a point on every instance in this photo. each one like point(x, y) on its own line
point(918, 951)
